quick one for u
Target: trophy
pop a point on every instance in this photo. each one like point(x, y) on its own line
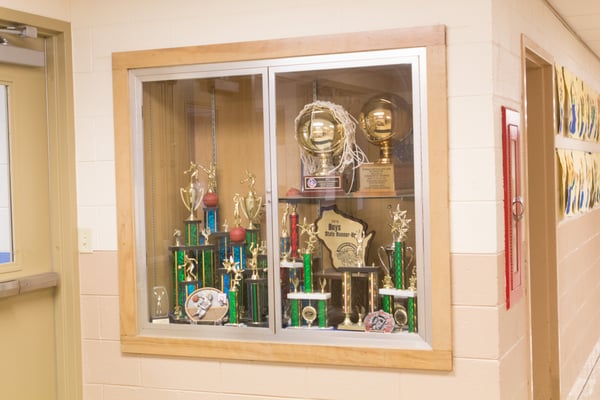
point(399, 230)
point(325, 135)
point(237, 233)
point(160, 305)
point(310, 230)
point(192, 195)
point(256, 285)
point(301, 303)
point(382, 118)
point(211, 199)
point(251, 204)
point(235, 272)
point(395, 291)
point(284, 236)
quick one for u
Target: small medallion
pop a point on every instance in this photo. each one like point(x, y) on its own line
point(309, 313)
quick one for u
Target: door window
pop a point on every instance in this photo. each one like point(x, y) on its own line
point(6, 242)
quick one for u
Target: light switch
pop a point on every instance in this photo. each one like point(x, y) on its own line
point(85, 240)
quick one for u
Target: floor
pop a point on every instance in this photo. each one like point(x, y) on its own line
point(588, 386)
point(591, 390)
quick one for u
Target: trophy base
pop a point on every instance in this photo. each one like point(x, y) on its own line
point(256, 324)
point(376, 179)
point(291, 264)
point(175, 319)
point(350, 327)
point(313, 327)
point(237, 325)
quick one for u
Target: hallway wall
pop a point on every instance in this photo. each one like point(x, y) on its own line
point(491, 349)
point(58, 9)
point(118, 26)
point(481, 338)
point(578, 293)
point(578, 237)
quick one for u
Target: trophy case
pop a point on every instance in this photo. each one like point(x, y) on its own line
point(284, 201)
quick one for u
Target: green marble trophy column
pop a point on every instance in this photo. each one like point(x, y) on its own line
point(398, 265)
point(178, 296)
point(387, 301)
point(255, 284)
point(412, 303)
point(311, 231)
point(235, 272)
point(399, 230)
point(295, 312)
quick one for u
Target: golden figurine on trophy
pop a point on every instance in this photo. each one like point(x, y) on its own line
point(211, 198)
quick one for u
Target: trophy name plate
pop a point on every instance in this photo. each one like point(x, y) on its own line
point(376, 178)
point(321, 183)
point(309, 296)
point(400, 293)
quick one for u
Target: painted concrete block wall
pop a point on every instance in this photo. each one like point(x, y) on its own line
point(129, 26)
point(58, 9)
point(491, 350)
point(578, 293)
point(578, 238)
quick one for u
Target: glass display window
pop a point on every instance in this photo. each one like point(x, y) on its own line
point(283, 201)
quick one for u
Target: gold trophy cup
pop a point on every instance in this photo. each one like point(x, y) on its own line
point(251, 204)
point(192, 195)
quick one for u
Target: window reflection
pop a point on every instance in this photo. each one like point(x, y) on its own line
point(6, 242)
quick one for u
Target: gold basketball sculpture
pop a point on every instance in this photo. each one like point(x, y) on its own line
point(382, 118)
point(320, 135)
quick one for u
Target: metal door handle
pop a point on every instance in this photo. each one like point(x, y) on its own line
point(518, 208)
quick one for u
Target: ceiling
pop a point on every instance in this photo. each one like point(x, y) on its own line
point(583, 17)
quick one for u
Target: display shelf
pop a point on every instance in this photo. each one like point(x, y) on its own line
point(396, 195)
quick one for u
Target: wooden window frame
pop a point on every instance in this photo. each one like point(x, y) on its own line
point(439, 356)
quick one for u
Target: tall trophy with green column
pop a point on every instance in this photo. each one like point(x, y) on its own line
point(236, 274)
point(398, 299)
point(303, 303)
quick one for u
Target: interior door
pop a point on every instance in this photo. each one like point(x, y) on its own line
point(27, 331)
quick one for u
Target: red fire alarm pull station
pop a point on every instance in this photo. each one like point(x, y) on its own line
point(514, 208)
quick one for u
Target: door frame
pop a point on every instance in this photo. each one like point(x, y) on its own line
point(63, 197)
point(538, 103)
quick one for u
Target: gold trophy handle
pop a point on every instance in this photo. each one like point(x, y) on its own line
point(410, 252)
point(381, 259)
point(183, 192)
